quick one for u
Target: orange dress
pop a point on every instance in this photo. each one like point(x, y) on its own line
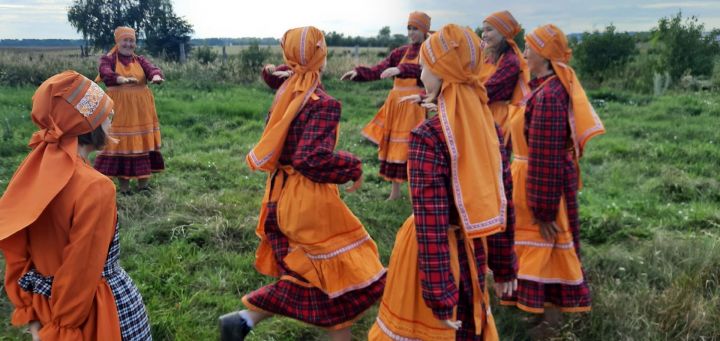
point(135, 125)
point(62, 269)
point(390, 128)
point(549, 274)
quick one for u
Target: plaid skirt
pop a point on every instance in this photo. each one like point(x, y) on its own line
point(134, 325)
point(135, 166)
point(297, 299)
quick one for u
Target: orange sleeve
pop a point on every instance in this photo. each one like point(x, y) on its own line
point(78, 278)
point(17, 263)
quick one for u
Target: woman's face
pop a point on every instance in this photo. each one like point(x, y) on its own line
point(536, 63)
point(415, 35)
point(491, 36)
point(432, 82)
point(127, 46)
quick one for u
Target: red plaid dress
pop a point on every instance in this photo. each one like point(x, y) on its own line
point(309, 149)
point(393, 170)
point(551, 175)
point(434, 210)
point(502, 83)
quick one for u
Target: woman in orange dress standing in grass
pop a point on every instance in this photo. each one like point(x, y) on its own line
point(327, 266)
point(58, 225)
point(136, 125)
point(391, 126)
point(548, 139)
point(462, 219)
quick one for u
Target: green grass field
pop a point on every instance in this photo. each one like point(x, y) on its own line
point(650, 213)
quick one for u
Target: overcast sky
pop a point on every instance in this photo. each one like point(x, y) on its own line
point(268, 18)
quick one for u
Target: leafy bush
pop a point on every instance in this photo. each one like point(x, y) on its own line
point(684, 46)
point(601, 53)
point(205, 54)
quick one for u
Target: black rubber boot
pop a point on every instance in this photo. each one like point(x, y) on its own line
point(233, 327)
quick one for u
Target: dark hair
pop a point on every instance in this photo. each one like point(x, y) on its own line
point(96, 138)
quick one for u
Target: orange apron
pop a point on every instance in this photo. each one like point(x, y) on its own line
point(329, 247)
point(390, 128)
point(135, 124)
point(403, 314)
point(538, 260)
point(502, 110)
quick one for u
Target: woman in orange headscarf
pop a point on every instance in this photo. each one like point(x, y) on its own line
point(58, 225)
point(508, 84)
point(327, 265)
point(390, 129)
point(136, 126)
point(548, 140)
point(462, 219)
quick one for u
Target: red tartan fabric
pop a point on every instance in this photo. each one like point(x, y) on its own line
point(107, 68)
point(135, 166)
point(551, 170)
point(434, 210)
point(272, 81)
point(309, 305)
point(502, 83)
point(407, 70)
point(393, 171)
point(551, 173)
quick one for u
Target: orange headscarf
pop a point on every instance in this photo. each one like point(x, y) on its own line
point(454, 55)
point(304, 50)
point(420, 20)
point(505, 23)
point(551, 43)
point(64, 106)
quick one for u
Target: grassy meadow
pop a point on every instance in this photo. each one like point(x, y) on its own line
point(650, 212)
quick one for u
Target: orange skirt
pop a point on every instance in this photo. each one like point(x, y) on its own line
point(329, 247)
point(540, 261)
point(403, 314)
point(390, 128)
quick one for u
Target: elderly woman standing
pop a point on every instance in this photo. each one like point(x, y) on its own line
point(509, 82)
point(327, 266)
point(548, 140)
point(58, 225)
point(391, 126)
point(136, 126)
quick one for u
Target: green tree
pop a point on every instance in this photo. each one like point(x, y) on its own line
point(685, 47)
point(153, 20)
point(599, 53)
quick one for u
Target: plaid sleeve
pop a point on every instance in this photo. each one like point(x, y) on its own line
point(365, 73)
point(547, 141)
point(107, 70)
point(502, 83)
point(149, 68)
point(274, 82)
point(427, 174)
point(315, 156)
point(501, 254)
point(409, 70)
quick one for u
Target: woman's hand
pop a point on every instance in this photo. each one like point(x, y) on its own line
point(269, 69)
point(506, 288)
point(548, 230)
point(454, 325)
point(282, 74)
point(157, 79)
point(355, 186)
point(390, 72)
point(411, 98)
point(350, 75)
